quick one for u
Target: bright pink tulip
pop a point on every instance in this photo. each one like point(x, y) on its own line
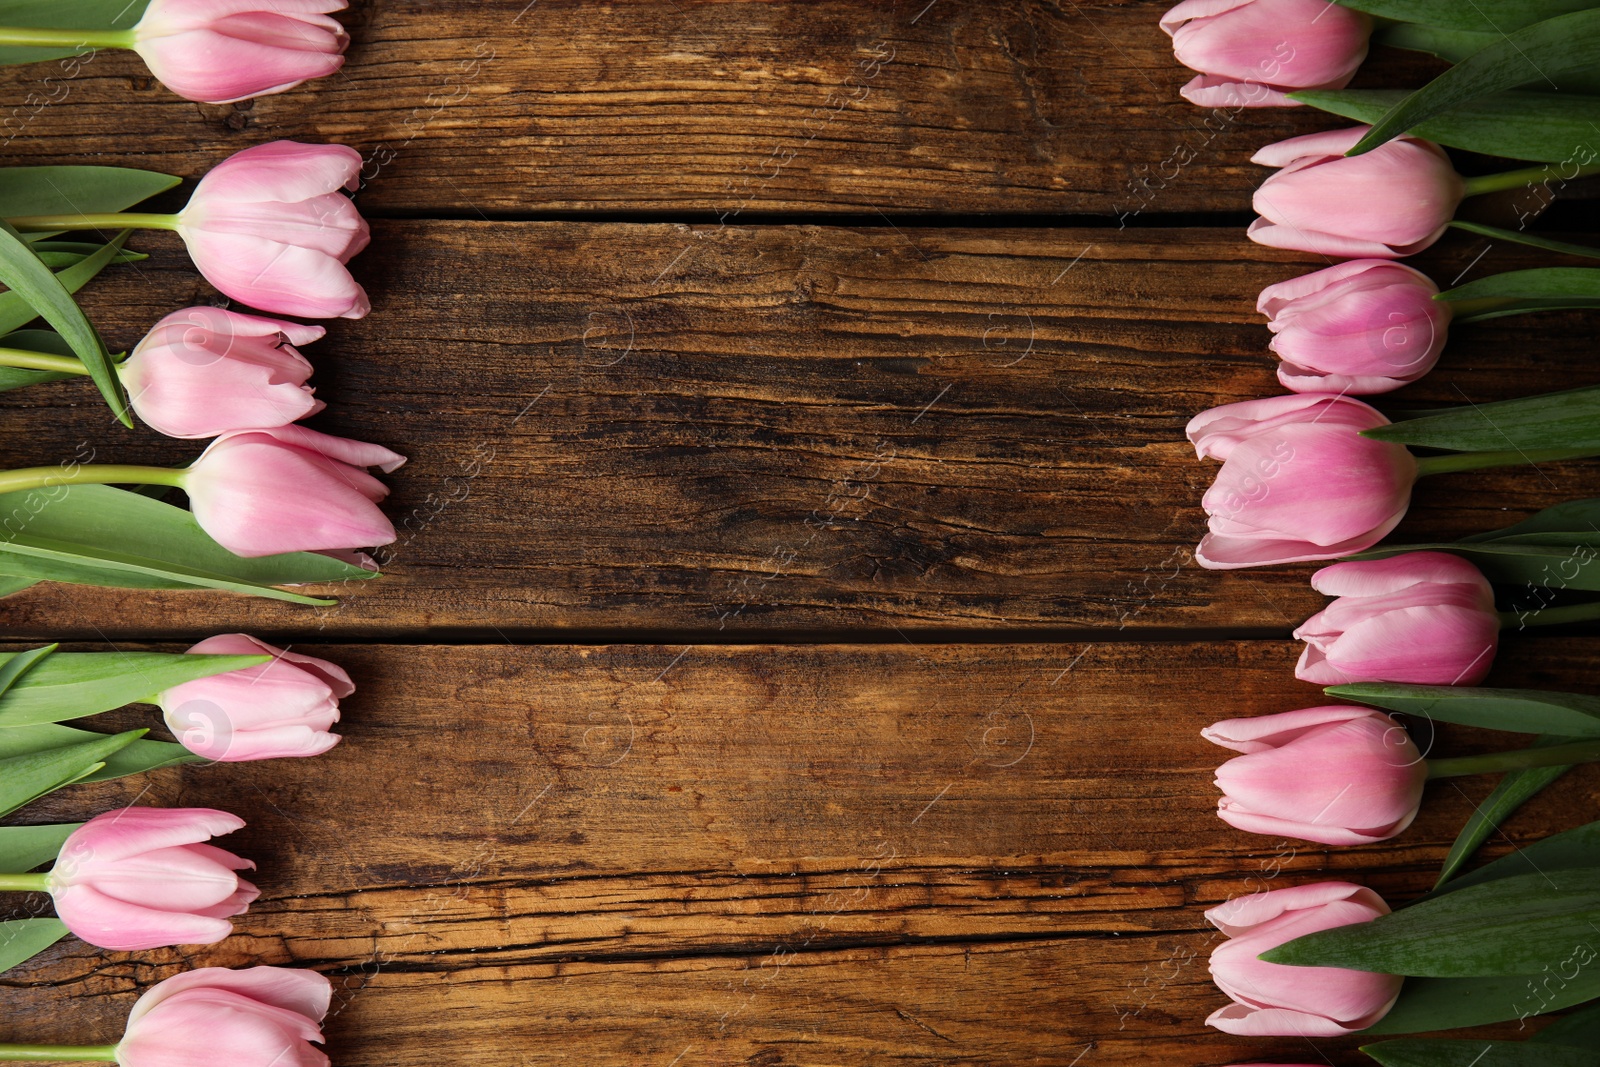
point(1393, 201)
point(257, 1017)
point(1337, 775)
point(290, 489)
point(1298, 481)
point(221, 51)
point(1367, 326)
point(1274, 999)
point(1251, 52)
point(204, 371)
point(143, 878)
point(269, 227)
point(282, 708)
point(1425, 618)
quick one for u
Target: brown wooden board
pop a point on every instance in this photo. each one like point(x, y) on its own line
point(803, 854)
point(619, 427)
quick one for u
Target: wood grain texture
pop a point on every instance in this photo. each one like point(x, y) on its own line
point(747, 431)
point(805, 854)
point(462, 107)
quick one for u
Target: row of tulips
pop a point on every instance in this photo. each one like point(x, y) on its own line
point(1303, 477)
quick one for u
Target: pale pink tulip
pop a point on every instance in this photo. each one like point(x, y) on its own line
point(1393, 201)
point(204, 371)
point(269, 227)
point(1298, 481)
point(290, 489)
point(1367, 326)
point(222, 51)
point(1251, 52)
point(1274, 999)
point(1336, 775)
point(1424, 618)
point(282, 708)
point(257, 1017)
point(143, 878)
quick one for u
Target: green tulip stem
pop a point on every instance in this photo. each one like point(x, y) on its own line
point(24, 478)
point(24, 883)
point(33, 37)
point(1522, 759)
point(1475, 461)
point(1551, 616)
point(1523, 178)
point(58, 1053)
point(123, 220)
point(21, 357)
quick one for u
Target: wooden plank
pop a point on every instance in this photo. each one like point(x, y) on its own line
point(467, 107)
point(819, 854)
point(744, 430)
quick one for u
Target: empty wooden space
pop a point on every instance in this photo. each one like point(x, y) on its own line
point(793, 652)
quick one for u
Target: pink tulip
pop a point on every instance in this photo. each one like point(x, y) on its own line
point(1298, 482)
point(269, 227)
point(1274, 999)
point(1425, 618)
point(290, 489)
point(205, 371)
point(222, 51)
point(1337, 775)
point(1393, 201)
point(143, 878)
point(1251, 52)
point(1367, 326)
point(282, 708)
point(257, 1017)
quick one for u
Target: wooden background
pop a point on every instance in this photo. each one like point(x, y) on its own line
point(793, 652)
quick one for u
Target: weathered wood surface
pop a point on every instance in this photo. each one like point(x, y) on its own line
point(803, 854)
point(465, 107)
point(750, 431)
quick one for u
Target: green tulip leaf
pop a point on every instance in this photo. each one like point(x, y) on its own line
point(1523, 711)
point(1541, 52)
point(75, 190)
point(10, 585)
point(1573, 517)
point(1514, 790)
point(1581, 1028)
point(1542, 127)
point(137, 758)
point(29, 775)
point(1523, 237)
point(1441, 1053)
point(16, 312)
point(1579, 286)
point(1568, 850)
point(1498, 17)
point(1450, 45)
point(97, 535)
point(65, 15)
point(13, 668)
point(1568, 420)
point(32, 341)
point(22, 848)
point(72, 685)
point(1427, 1004)
point(23, 939)
point(1508, 926)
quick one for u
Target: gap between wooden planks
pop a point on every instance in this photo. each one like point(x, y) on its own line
point(813, 854)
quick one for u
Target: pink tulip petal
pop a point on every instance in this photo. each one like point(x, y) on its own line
point(1244, 913)
point(1378, 577)
point(117, 835)
point(1263, 733)
point(1326, 143)
point(306, 993)
point(109, 923)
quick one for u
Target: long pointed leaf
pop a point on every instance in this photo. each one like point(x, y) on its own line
point(1570, 849)
point(1581, 1028)
point(1522, 237)
point(1427, 1004)
point(1569, 419)
point(1524, 711)
point(1482, 16)
point(1542, 127)
point(22, 939)
point(26, 777)
point(1513, 791)
point(22, 848)
point(12, 670)
point(72, 190)
point(74, 685)
point(1442, 1053)
point(137, 758)
point(16, 312)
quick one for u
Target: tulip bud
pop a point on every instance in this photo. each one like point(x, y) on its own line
point(257, 1017)
point(1337, 775)
point(205, 371)
point(290, 489)
point(1423, 618)
point(1390, 202)
point(143, 878)
point(1274, 999)
point(1367, 326)
point(282, 708)
point(269, 227)
point(223, 51)
point(1251, 52)
point(1298, 481)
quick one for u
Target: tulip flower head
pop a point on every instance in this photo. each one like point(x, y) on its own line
point(222, 51)
point(142, 878)
point(282, 708)
point(1251, 52)
point(205, 371)
point(1367, 326)
point(1391, 202)
point(256, 1017)
point(1423, 618)
point(1274, 999)
point(1298, 481)
point(270, 227)
point(290, 489)
point(1336, 775)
